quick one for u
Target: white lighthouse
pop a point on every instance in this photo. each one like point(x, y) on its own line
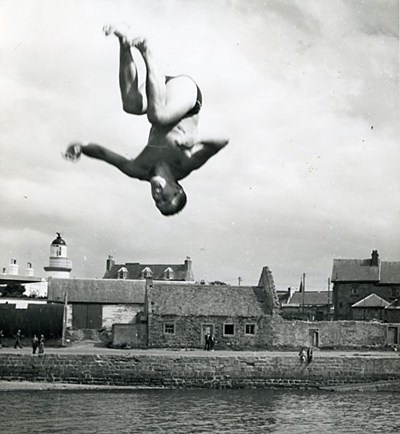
point(59, 264)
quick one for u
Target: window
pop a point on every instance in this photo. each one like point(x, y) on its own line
point(146, 272)
point(354, 291)
point(229, 329)
point(169, 329)
point(122, 273)
point(168, 273)
point(250, 329)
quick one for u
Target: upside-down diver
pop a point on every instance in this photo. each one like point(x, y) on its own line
point(172, 105)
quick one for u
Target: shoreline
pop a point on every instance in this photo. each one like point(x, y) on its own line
point(41, 385)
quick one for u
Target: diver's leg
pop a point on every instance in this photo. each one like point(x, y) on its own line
point(133, 93)
point(166, 103)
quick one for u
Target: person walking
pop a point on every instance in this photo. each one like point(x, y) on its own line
point(18, 337)
point(35, 343)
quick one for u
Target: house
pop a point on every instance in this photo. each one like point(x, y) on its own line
point(308, 305)
point(98, 303)
point(179, 316)
point(370, 308)
point(135, 271)
point(356, 279)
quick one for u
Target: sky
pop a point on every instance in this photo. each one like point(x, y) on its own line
point(306, 90)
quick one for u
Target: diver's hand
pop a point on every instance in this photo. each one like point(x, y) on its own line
point(73, 151)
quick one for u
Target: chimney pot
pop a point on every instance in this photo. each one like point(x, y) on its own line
point(374, 258)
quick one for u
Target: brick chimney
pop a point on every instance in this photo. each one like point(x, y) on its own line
point(29, 269)
point(188, 269)
point(110, 263)
point(374, 258)
point(13, 267)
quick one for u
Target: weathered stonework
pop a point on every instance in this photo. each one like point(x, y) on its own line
point(193, 370)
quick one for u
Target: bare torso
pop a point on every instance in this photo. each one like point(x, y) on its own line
point(171, 145)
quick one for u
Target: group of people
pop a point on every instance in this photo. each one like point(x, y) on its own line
point(305, 355)
point(37, 342)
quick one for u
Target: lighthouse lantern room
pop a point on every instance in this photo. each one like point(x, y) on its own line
point(59, 264)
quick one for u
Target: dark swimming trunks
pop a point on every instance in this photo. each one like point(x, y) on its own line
point(199, 100)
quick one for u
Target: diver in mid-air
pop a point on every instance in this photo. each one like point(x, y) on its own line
point(172, 105)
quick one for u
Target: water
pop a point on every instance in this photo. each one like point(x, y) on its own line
point(198, 411)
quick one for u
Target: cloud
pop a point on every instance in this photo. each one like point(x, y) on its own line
point(296, 86)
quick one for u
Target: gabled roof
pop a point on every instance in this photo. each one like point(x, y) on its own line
point(394, 304)
point(112, 291)
point(371, 300)
point(361, 270)
point(135, 271)
point(205, 300)
point(311, 298)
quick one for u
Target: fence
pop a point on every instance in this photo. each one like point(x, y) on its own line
point(44, 319)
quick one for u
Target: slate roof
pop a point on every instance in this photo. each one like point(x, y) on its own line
point(283, 296)
point(135, 271)
point(361, 270)
point(371, 300)
point(111, 291)
point(311, 298)
point(390, 272)
point(348, 270)
point(206, 300)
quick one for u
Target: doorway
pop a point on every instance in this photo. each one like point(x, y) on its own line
point(86, 316)
point(392, 336)
point(313, 337)
point(206, 328)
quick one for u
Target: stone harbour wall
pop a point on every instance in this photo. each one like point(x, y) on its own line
point(199, 371)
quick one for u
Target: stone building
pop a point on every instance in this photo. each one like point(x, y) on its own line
point(356, 279)
point(98, 303)
point(135, 270)
point(179, 316)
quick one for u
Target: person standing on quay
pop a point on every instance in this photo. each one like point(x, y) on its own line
point(41, 344)
point(18, 339)
point(309, 355)
point(35, 343)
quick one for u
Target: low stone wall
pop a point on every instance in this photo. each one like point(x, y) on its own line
point(207, 371)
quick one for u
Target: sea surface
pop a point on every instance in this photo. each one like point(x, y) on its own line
point(198, 411)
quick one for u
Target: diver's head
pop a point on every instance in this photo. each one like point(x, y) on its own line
point(169, 196)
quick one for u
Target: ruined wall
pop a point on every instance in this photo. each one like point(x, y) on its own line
point(129, 335)
point(211, 370)
point(336, 334)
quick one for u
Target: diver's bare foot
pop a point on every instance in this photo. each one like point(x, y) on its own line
point(119, 32)
point(140, 43)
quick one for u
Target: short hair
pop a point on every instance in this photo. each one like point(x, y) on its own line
point(177, 203)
